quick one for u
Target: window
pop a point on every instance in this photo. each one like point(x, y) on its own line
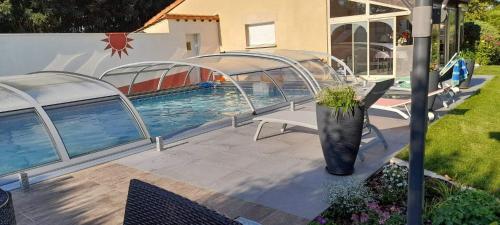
point(261, 35)
point(340, 8)
point(379, 9)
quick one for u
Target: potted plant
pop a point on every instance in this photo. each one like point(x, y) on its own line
point(470, 61)
point(340, 117)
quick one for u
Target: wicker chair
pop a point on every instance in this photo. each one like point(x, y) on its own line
point(7, 216)
point(148, 204)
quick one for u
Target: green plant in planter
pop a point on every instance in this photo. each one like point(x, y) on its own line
point(340, 98)
point(468, 55)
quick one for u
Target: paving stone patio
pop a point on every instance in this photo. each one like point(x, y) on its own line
point(279, 179)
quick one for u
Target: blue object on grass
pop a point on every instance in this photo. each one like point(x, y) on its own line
point(460, 72)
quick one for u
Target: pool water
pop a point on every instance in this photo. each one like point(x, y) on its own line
point(24, 143)
point(169, 114)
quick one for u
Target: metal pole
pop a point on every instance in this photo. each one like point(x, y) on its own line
point(422, 20)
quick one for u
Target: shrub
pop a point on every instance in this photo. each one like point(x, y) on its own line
point(341, 98)
point(483, 39)
point(348, 198)
point(486, 53)
point(467, 207)
point(377, 214)
point(394, 182)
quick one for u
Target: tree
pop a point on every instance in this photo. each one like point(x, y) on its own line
point(477, 9)
point(17, 16)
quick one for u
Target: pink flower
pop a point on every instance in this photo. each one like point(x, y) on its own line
point(355, 218)
point(363, 218)
point(373, 205)
point(384, 217)
point(321, 220)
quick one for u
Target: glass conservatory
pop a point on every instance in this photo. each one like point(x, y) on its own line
point(54, 119)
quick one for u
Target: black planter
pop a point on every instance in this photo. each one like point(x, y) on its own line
point(470, 68)
point(7, 216)
point(340, 136)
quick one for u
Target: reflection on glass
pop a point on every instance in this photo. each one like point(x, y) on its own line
point(349, 45)
point(94, 126)
point(24, 143)
point(260, 89)
point(292, 85)
point(381, 47)
point(378, 9)
point(339, 8)
point(452, 32)
point(435, 46)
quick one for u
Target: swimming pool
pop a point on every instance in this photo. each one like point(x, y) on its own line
point(168, 114)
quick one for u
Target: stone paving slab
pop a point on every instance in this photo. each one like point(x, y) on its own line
point(278, 180)
point(98, 196)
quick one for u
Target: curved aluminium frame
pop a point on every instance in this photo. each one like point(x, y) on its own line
point(47, 122)
point(124, 98)
point(176, 63)
point(64, 160)
point(312, 84)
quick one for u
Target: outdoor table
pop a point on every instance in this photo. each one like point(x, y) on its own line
point(7, 216)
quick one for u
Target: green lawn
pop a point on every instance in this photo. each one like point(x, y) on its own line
point(465, 144)
point(488, 70)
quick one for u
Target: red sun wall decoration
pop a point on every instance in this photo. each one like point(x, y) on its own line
point(118, 42)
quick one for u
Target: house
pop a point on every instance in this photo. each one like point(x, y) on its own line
point(372, 37)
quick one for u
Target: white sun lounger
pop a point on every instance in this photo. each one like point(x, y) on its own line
point(398, 105)
point(308, 119)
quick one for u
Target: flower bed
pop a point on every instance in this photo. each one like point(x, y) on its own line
point(382, 200)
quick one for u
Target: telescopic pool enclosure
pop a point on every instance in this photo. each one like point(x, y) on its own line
point(293, 74)
point(52, 120)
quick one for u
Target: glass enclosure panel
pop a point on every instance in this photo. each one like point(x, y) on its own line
point(292, 85)
point(443, 56)
point(378, 9)
point(339, 8)
point(322, 72)
point(171, 113)
point(95, 126)
point(404, 48)
point(176, 78)
point(349, 43)
point(10, 101)
point(24, 143)
point(147, 82)
point(122, 82)
point(381, 47)
point(260, 89)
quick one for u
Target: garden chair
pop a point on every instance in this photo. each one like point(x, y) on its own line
point(151, 205)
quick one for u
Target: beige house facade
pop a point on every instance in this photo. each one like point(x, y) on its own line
point(373, 37)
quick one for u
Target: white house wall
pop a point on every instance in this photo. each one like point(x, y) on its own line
point(86, 54)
